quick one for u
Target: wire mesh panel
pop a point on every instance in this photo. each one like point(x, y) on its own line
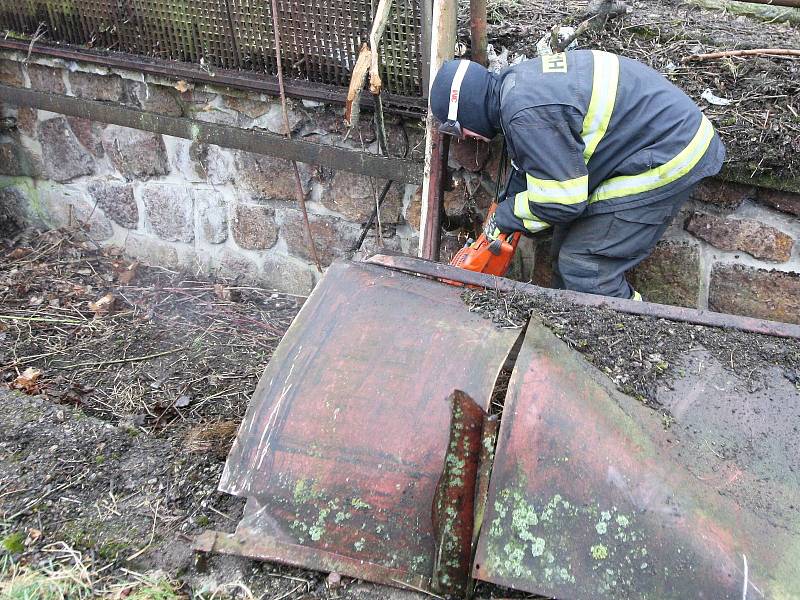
point(320, 39)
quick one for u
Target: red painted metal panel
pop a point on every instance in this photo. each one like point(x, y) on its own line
point(346, 435)
point(591, 496)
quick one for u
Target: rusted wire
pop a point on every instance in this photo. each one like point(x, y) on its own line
point(301, 198)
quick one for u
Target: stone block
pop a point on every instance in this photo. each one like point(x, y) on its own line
point(333, 238)
point(46, 79)
point(670, 275)
point(469, 153)
point(745, 235)
point(17, 161)
point(154, 98)
point(212, 216)
point(214, 164)
point(117, 202)
point(254, 226)
point(413, 210)
point(237, 267)
point(63, 156)
point(269, 176)
point(272, 119)
point(108, 88)
point(353, 196)
point(136, 154)
point(724, 194)
point(760, 293)
point(170, 211)
point(27, 119)
point(787, 202)
point(284, 274)
point(249, 107)
point(151, 250)
point(66, 207)
point(13, 210)
point(89, 134)
point(11, 73)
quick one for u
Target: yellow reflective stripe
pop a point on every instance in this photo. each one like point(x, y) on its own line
point(628, 185)
point(535, 225)
point(601, 106)
point(637, 297)
point(550, 191)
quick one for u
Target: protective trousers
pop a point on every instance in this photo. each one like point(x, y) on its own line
point(592, 254)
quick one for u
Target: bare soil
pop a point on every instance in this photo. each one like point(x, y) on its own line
point(642, 354)
point(113, 443)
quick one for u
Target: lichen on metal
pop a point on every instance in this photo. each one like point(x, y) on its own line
point(347, 433)
point(454, 502)
point(590, 496)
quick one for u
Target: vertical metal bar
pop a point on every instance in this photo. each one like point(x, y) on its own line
point(433, 216)
point(477, 23)
point(425, 59)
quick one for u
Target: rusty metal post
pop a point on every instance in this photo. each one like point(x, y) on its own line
point(433, 209)
point(477, 25)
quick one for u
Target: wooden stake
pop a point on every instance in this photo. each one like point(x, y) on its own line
point(443, 41)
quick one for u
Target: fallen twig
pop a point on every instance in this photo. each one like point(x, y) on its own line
point(753, 52)
point(120, 360)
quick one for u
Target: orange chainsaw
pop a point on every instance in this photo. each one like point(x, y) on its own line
point(485, 255)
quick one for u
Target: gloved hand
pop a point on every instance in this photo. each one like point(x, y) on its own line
point(490, 228)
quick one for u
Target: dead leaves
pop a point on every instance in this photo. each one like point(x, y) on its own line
point(28, 381)
point(103, 305)
point(125, 272)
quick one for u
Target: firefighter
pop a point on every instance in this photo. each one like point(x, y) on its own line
point(604, 151)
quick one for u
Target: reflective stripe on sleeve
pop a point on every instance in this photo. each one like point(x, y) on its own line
point(535, 225)
point(601, 106)
point(550, 191)
point(628, 185)
point(522, 211)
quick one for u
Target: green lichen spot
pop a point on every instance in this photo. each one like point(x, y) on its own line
point(599, 552)
point(315, 532)
point(359, 503)
point(537, 546)
point(601, 527)
point(623, 521)
point(359, 545)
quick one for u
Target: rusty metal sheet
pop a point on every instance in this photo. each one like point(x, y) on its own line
point(454, 500)
point(594, 495)
point(345, 438)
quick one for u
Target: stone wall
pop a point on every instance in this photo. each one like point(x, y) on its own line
point(194, 206)
point(233, 214)
point(733, 248)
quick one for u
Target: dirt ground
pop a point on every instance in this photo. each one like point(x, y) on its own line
point(122, 388)
point(642, 354)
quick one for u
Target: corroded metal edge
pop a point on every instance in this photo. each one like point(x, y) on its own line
point(454, 503)
point(708, 318)
point(270, 549)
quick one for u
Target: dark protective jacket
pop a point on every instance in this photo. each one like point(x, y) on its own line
point(590, 132)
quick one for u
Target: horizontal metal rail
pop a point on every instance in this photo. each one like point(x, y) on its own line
point(267, 84)
point(343, 159)
point(709, 318)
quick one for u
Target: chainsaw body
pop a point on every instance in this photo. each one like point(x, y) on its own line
point(485, 255)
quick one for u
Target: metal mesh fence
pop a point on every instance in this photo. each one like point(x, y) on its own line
point(320, 39)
